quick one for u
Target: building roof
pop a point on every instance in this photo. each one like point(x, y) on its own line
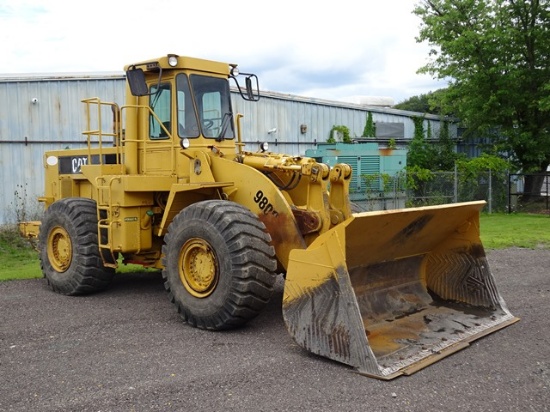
point(119, 75)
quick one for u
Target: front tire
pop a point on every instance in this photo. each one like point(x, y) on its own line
point(69, 250)
point(218, 264)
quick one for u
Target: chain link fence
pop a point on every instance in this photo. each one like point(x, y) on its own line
point(502, 192)
point(522, 199)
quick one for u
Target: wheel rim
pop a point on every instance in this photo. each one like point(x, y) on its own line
point(60, 250)
point(198, 269)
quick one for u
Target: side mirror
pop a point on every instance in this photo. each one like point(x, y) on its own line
point(136, 81)
point(251, 91)
point(252, 88)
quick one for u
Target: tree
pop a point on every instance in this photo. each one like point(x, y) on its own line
point(370, 127)
point(495, 55)
point(418, 104)
point(423, 103)
point(432, 153)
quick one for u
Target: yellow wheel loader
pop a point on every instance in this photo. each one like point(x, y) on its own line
point(170, 186)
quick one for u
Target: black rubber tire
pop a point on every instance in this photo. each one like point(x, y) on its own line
point(240, 251)
point(76, 220)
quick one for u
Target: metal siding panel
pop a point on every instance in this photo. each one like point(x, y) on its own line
point(59, 116)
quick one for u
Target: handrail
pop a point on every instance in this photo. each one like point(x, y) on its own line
point(99, 132)
point(119, 138)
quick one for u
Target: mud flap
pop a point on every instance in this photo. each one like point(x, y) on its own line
point(392, 292)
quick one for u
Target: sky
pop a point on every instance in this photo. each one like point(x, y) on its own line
point(328, 50)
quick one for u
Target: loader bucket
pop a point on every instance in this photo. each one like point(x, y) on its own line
point(394, 291)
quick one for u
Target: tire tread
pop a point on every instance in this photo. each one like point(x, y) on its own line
point(252, 260)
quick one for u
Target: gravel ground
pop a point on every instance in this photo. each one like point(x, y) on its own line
point(127, 350)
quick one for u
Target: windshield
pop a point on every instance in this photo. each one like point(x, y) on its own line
point(213, 101)
point(188, 125)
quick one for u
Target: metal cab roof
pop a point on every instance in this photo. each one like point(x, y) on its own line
point(183, 63)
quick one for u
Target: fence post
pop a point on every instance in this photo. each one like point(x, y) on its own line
point(509, 192)
point(490, 192)
point(456, 185)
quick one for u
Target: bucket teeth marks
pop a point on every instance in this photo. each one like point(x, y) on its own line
point(321, 304)
point(462, 278)
point(326, 321)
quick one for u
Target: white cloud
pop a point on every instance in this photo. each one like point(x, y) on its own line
point(313, 49)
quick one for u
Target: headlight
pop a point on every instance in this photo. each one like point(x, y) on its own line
point(234, 70)
point(51, 160)
point(172, 60)
point(264, 146)
point(184, 143)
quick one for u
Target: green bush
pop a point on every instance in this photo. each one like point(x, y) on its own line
point(343, 134)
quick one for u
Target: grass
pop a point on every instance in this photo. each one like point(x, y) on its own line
point(498, 231)
point(20, 260)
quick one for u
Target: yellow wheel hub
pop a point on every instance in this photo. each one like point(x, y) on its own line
point(197, 267)
point(60, 249)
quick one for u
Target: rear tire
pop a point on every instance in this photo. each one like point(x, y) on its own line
point(69, 250)
point(218, 264)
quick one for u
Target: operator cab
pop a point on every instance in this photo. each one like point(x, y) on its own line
point(202, 96)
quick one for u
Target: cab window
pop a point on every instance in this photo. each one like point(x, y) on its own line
point(160, 104)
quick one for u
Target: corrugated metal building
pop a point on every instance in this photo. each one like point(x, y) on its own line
point(45, 112)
